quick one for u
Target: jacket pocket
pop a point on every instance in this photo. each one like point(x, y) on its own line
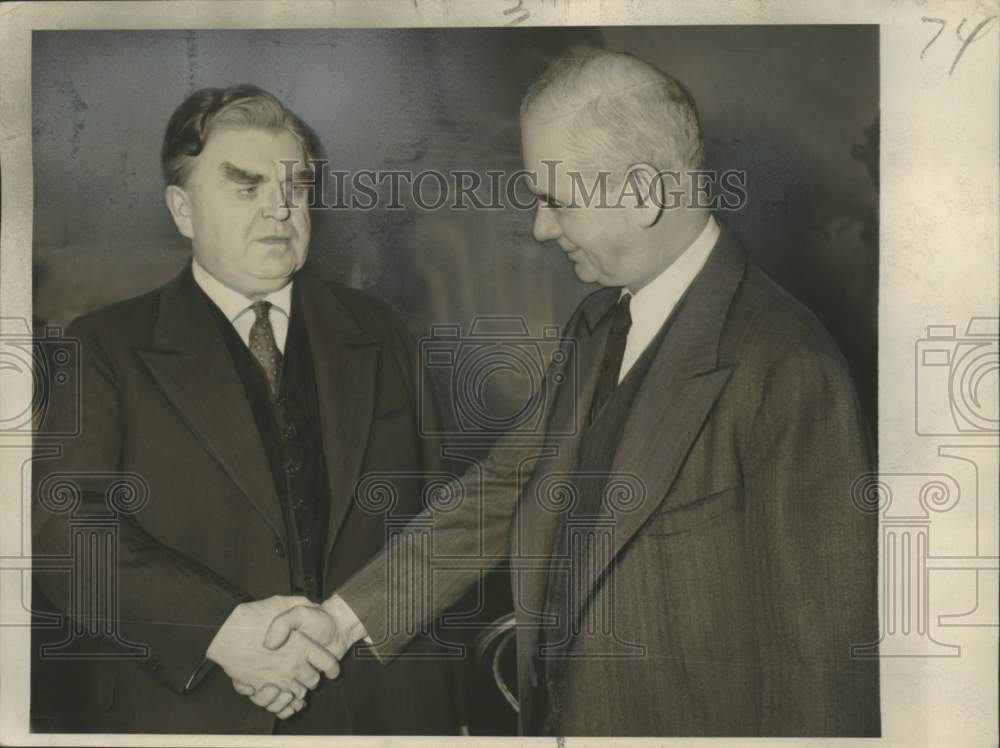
point(690, 514)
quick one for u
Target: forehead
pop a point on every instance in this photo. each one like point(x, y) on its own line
point(544, 139)
point(260, 151)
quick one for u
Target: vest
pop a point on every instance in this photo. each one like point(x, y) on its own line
point(290, 432)
point(596, 453)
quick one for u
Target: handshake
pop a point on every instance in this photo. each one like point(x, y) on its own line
point(275, 649)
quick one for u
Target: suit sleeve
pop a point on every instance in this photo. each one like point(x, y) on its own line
point(440, 555)
point(813, 551)
point(433, 460)
point(152, 595)
point(397, 595)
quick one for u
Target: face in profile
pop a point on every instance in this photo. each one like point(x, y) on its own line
point(597, 236)
point(558, 216)
point(249, 225)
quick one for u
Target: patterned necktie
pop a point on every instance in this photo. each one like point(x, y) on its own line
point(614, 352)
point(263, 347)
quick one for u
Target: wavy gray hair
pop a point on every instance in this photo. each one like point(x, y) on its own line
point(623, 111)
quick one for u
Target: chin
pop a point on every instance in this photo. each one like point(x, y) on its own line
point(278, 267)
point(585, 273)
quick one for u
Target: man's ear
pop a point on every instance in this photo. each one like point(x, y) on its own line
point(179, 205)
point(642, 194)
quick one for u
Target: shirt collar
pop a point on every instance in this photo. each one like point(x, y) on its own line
point(653, 302)
point(233, 303)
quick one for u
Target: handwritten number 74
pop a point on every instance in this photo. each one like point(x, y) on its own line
point(976, 33)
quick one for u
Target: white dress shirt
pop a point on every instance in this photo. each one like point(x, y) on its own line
point(238, 308)
point(654, 302)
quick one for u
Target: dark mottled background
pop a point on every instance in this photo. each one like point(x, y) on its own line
point(795, 107)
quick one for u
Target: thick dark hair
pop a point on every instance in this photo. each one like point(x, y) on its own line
point(242, 106)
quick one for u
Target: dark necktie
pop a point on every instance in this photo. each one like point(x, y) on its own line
point(614, 352)
point(263, 347)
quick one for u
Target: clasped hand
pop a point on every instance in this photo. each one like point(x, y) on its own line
point(275, 650)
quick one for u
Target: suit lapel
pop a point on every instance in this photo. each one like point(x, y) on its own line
point(192, 366)
point(674, 400)
point(537, 527)
point(345, 362)
point(568, 419)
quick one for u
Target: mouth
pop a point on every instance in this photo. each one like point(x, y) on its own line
point(282, 240)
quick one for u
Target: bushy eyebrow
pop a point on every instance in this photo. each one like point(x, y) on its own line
point(303, 174)
point(240, 176)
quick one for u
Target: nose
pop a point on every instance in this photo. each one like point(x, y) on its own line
point(276, 205)
point(546, 226)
